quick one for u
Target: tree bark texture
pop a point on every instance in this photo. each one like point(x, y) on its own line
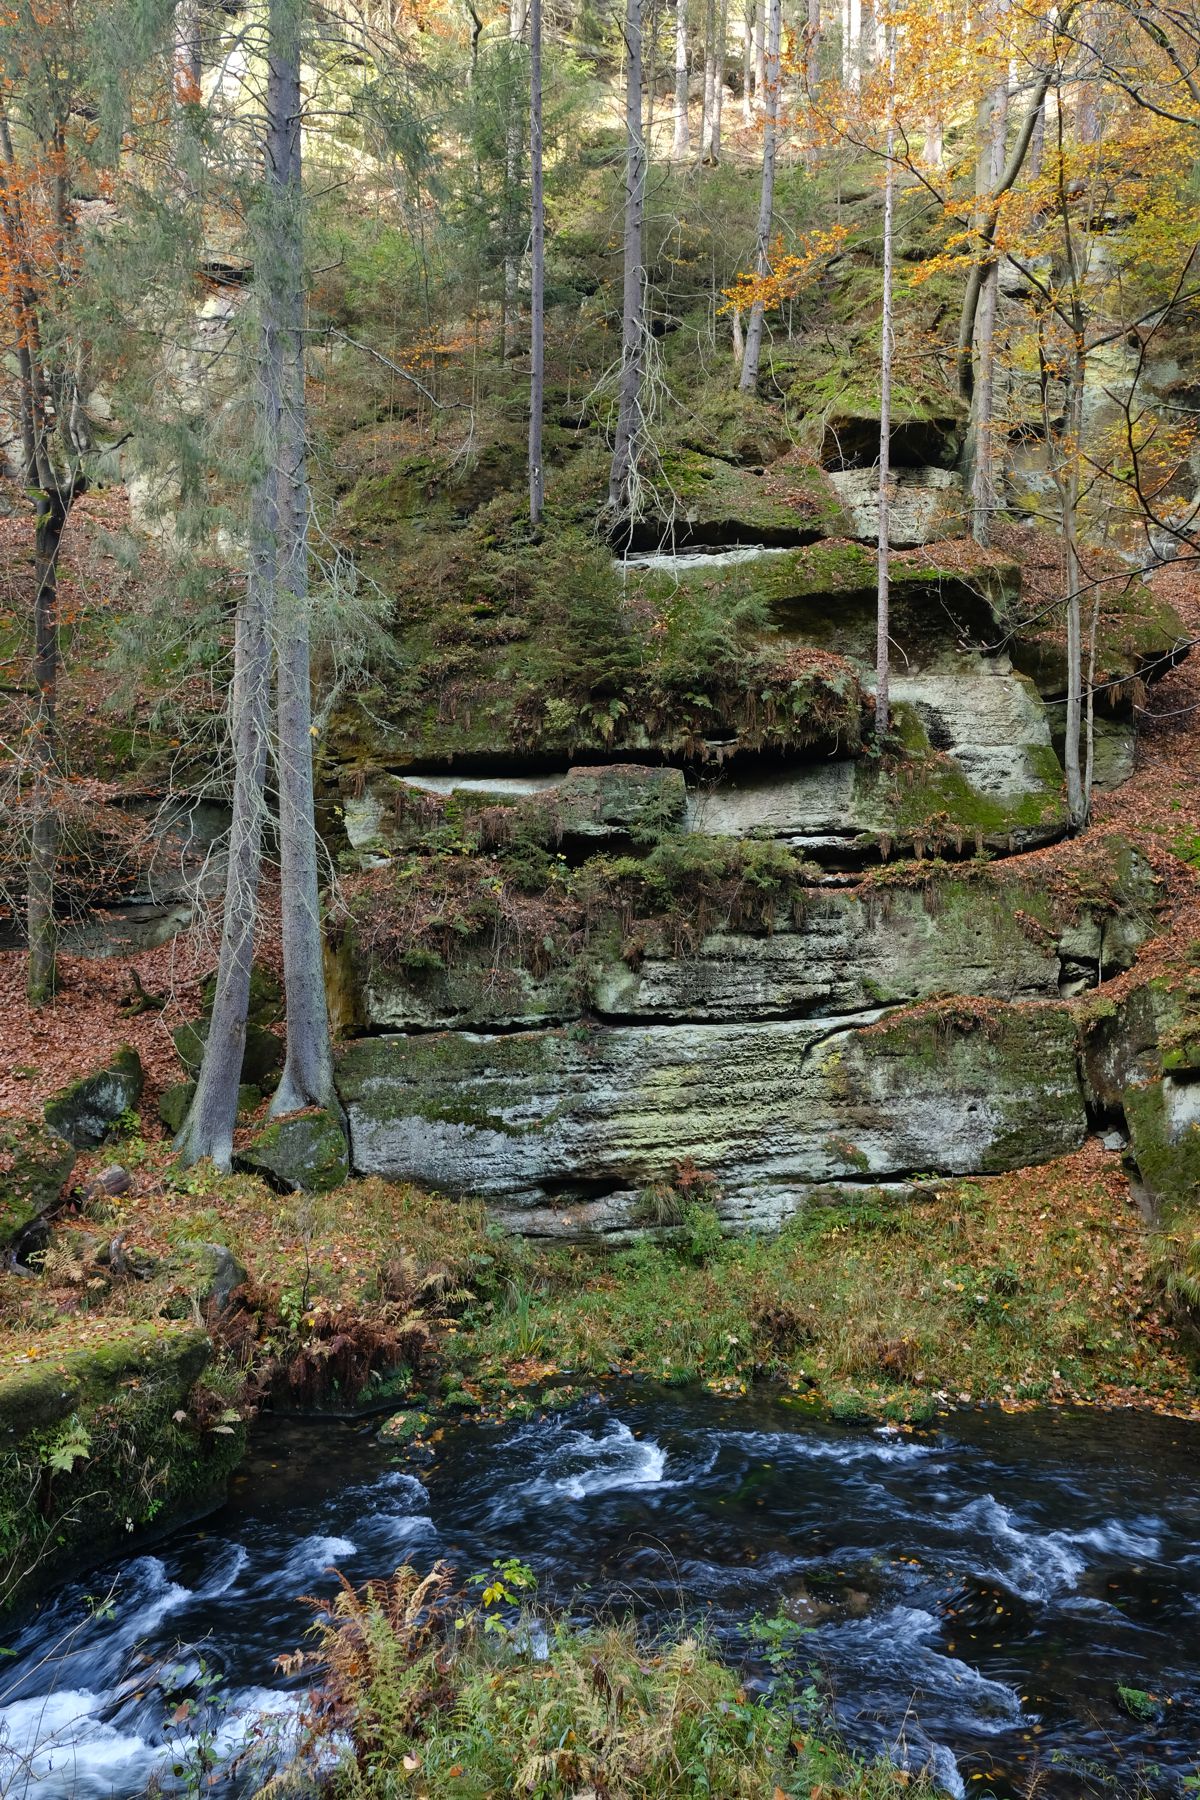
point(623, 470)
point(537, 285)
point(766, 209)
point(882, 621)
point(681, 137)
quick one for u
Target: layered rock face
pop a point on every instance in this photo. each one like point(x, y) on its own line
point(569, 985)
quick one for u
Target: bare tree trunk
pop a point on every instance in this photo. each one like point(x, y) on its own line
point(512, 173)
point(812, 47)
point(766, 209)
point(208, 1128)
point(623, 470)
point(1037, 142)
point(980, 449)
point(882, 622)
point(760, 53)
point(933, 153)
point(1077, 794)
point(714, 141)
point(748, 66)
point(188, 60)
point(307, 1078)
point(679, 143)
point(710, 77)
point(42, 929)
point(853, 51)
point(537, 285)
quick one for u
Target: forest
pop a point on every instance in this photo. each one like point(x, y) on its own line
point(599, 899)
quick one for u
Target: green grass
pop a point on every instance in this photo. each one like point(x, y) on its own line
point(1023, 1288)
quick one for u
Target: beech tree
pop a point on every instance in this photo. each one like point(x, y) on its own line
point(537, 328)
point(882, 623)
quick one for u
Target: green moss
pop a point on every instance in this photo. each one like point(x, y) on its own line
point(91, 1448)
point(35, 1162)
point(84, 1112)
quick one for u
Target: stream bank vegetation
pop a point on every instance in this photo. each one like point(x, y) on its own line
point(424, 1687)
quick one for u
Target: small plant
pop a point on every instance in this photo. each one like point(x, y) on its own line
point(509, 1580)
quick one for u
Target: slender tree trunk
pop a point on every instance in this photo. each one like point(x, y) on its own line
point(714, 142)
point(710, 77)
point(308, 1068)
point(208, 1128)
point(42, 929)
point(512, 175)
point(766, 209)
point(1037, 142)
point(188, 59)
point(853, 69)
point(882, 623)
point(980, 450)
point(760, 54)
point(679, 143)
point(1077, 794)
point(933, 153)
point(812, 47)
point(748, 66)
point(629, 392)
point(537, 234)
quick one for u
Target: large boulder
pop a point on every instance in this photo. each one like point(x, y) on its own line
point(924, 505)
point(261, 1058)
point(35, 1163)
point(771, 1109)
point(85, 1112)
point(305, 1152)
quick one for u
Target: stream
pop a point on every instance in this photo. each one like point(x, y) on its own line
point(977, 1593)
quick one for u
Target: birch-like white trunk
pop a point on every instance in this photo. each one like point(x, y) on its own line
point(981, 446)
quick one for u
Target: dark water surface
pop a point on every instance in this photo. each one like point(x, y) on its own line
point(977, 1593)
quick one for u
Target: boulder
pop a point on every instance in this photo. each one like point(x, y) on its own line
point(304, 1152)
point(552, 1117)
point(173, 1102)
point(35, 1163)
point(85, 1112)
point(262, 1056)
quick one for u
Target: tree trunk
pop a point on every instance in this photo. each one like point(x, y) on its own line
point(748, 66)
point(853, 52)
point(933, 153)
point(760, 53)
point(512, 175)
point(208, 1128)
point(710, 77)
point(623, 470)
point(812, 47)
point(42, 971)
point(679, 143)
point(766, 209)
point(714, 141)
point(1077, 795)
point(537, 283)
point(307, 1078)
point(882, 624)
point(980, 448)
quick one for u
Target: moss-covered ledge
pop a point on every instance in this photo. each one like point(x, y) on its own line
point(107, 1432)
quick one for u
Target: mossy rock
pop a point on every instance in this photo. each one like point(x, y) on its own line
point(85, 1112)
point(173, 1103)
point(265, 1007)
point(1164, 1136)
point(306, 1152)
point(97, 1433)
point(262, 1056)
point(35, 1163)
point(403, 1427)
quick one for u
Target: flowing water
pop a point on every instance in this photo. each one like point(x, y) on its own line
point(977, 1594)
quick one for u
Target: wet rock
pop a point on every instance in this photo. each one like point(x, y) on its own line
point(305, 1152)
point(35, 1164)
point(403, 1427)
point(85, 1112)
